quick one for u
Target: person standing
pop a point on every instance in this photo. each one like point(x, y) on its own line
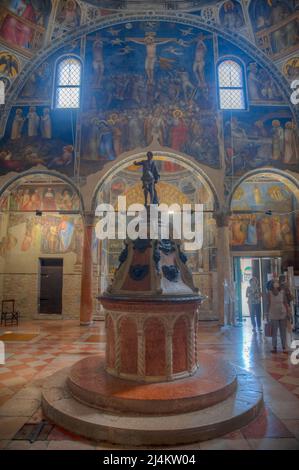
point(150, 177)
point(284, 285)
point(253, 294)
point(278, 314)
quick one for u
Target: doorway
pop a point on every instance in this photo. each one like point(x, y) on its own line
point(50, 285)
point(246, 267)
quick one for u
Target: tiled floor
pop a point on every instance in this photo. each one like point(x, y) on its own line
point(58, 344)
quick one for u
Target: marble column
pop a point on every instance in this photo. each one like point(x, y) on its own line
point(224, 269)
point(86, 307)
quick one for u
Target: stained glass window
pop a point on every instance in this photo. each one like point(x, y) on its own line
point(231, 85)
point(68, 83)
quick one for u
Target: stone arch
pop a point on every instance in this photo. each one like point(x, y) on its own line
point(28, 221)
point(183, 160)
point(268, 222)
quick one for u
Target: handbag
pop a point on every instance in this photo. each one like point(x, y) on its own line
point(268, 329)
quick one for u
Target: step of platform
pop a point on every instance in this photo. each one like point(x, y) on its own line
point(236, 411)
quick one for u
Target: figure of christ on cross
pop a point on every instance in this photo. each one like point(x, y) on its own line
point(150, 41)
point(98, 65)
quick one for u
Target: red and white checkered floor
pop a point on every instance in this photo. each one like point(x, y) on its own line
point(36, 349)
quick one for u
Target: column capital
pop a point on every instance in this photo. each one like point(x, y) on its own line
point(222, 218)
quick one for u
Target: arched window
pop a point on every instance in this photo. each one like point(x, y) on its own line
point(231, 85)
point(68, 83)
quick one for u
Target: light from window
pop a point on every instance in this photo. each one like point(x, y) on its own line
point(231, 85)
point(68, 83)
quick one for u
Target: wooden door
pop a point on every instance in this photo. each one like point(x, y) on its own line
point(50, 292)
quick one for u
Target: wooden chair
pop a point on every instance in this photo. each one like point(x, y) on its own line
point(8, 312)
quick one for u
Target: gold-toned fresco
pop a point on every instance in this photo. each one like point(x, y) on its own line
point(40, 218)
point(264, 216)
point(68, 17)
point(68, 13)
point(47, 234)
point(291, 68)
point(167, 194)
point(9, 65)
point(261, 232)
point(46, 198)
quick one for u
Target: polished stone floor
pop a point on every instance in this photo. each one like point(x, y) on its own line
point(36, 349)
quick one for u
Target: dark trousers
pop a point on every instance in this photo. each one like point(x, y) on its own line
point(255, 315)
point(280, 325)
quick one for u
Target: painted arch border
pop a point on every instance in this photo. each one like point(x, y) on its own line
point(120, 18)
point(187, 162)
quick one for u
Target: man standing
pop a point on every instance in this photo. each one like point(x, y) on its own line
point(150, 177)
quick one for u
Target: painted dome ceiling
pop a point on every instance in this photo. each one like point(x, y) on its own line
point(148, 79)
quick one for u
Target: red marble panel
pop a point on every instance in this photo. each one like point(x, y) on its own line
point(180, 346)
point(211, 384)
point(110, 345)
point(155, 348)
point(128, 346)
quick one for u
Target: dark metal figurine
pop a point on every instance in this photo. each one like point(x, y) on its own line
point(150, 177)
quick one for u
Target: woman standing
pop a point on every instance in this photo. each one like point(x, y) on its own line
point(253, 293)
point(278, 313)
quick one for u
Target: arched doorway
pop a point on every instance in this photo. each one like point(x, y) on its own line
point(41, 245)
point(182, 182)
point(264, 230)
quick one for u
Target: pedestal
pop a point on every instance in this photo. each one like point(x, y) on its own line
point(152, 341)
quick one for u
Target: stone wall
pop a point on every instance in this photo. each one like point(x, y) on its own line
point(24, 289)
point(23, 243)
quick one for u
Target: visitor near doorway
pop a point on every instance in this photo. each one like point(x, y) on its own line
point(278, 314)
point(253, 293)
point(284, 285)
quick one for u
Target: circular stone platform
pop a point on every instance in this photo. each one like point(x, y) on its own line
point(241, 406)
point(213, 382)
